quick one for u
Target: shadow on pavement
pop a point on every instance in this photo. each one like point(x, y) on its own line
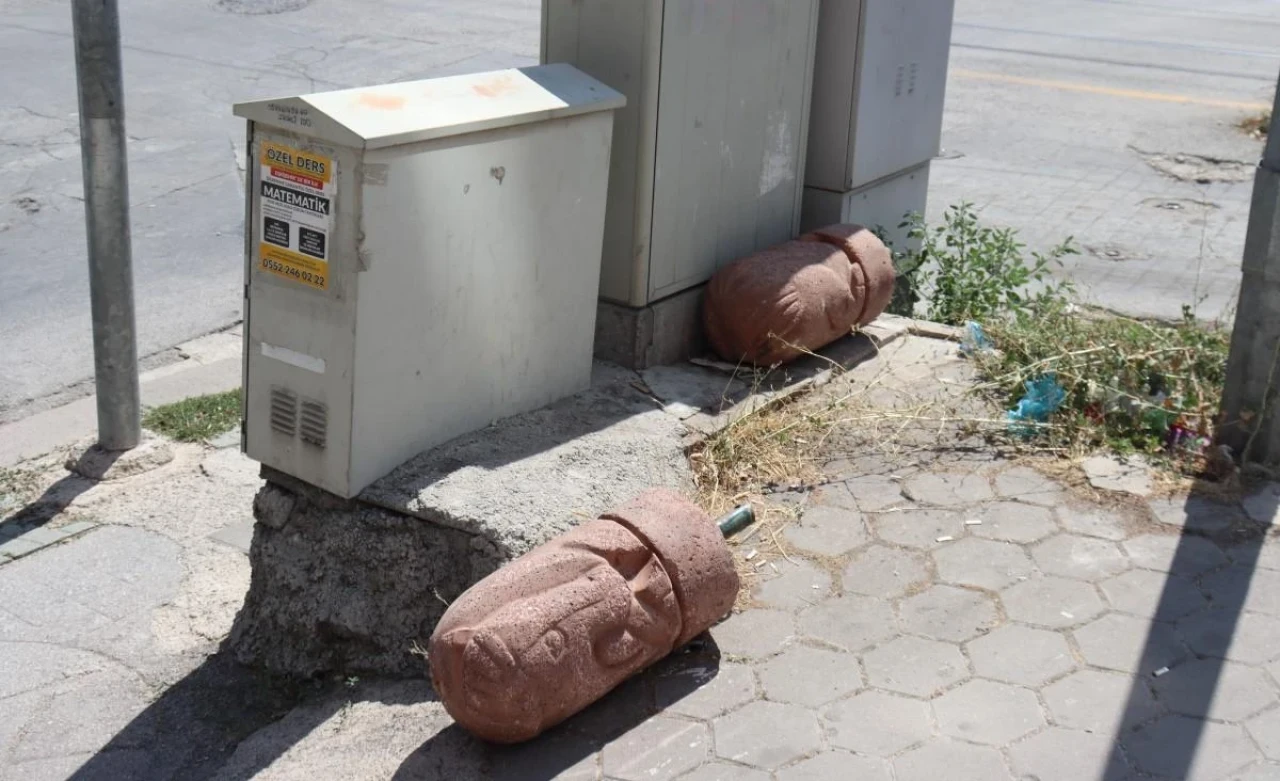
point(1181, 665)
point(58, 496)
point(194, 726)
point(570, 748)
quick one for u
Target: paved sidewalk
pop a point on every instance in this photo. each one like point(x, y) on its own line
point(947, 618)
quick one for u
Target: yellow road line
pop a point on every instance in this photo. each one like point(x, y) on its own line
point(1072, 86)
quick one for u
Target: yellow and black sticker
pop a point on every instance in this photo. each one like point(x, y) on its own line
point(295, 266)
point(286, 162)
point(296, 196)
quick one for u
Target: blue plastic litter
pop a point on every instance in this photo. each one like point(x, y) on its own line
point(975, 339)
point(1043, 398)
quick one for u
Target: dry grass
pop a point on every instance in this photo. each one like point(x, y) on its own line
point(1256, 125)
point(776, 447)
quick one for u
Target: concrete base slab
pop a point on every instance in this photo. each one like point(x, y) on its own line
point(665, 332)
point(357, 586)
point(97, 464)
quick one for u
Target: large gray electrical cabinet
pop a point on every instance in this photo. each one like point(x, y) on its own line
point(878, 91)
point(708, 154)
point(422, 259)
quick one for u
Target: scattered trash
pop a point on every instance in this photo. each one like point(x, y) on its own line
point(975, 340)
point(1161, 671)
point(945, 538)
point(1043, 398)
point(973, 522)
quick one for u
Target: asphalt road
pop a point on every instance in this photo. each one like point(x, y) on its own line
point(1087, 117)
point(1113, 121)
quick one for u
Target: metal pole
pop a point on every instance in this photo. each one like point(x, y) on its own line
point(106, 210)
point(1251, 425)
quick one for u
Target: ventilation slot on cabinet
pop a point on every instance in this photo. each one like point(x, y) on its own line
point(284, 411)
point(315, 423)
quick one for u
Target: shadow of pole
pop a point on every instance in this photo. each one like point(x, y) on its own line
point(84, 473)
point(1167, 746)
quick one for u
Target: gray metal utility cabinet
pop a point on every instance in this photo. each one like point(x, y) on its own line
point(422, 259)
point(708, 154)
point(879, 86)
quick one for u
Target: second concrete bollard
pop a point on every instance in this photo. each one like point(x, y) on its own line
point(561, 626)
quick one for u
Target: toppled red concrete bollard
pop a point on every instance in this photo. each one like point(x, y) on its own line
point(561, 626)
point(771, 307)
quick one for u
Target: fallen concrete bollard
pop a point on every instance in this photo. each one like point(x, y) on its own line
point(770, 307)
point(561, 626)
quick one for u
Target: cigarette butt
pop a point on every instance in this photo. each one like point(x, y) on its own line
point(973, 522)
point(945, 538)
point(1161, 671)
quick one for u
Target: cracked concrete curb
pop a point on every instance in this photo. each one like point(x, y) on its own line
point(208, 364)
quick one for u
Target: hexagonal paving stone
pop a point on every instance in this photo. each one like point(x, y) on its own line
point(1179, 554)
point(913, 665)
point(1092, 521)
point(850, 622)
point(767, 735)
point(1013, 522)
point(798, 584)
point(1129, 644)
point(837, 764)
point(704, 691)
point(754, 633)
point(563, 754)
point(832, 495)
point(988, 712)
point(1097, 701)
point(874, 493)
point(982, 564)
point(660, 748)
point(1083, 558)
point(1066, 755)
point(947, 490)
point(1251, 638)
point(885, 572)
point(828, 531)
point(1263, 771)
point(1149, 594)
point(1185, 748)
point(917, 528)
point(1051, 601)
point(810, 676)
point(877, 723)
point(948, 613)
point(1019, 654)
point(1249, 554)
point(723, 771)
point(1236, 587)
point(1197, 513)
point(1263, 506)
point(951, 760)
point(1024, 484)
point(1265, 729)
point(1215, 689)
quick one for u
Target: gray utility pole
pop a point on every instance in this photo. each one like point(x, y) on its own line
point(106, 210)
point(1251, 426)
